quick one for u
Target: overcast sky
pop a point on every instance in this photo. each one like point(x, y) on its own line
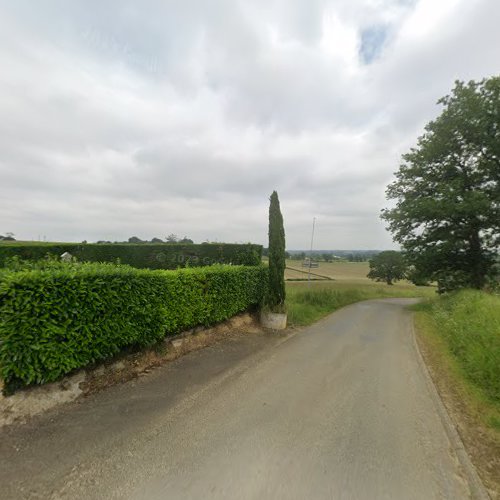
point(145, 118)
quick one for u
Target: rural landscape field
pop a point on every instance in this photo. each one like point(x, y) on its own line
point(336, 284)
point(354, 272)
point(250, 250)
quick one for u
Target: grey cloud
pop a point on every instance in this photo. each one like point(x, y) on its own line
point(123, 118)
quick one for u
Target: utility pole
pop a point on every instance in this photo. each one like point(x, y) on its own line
point(310, 254)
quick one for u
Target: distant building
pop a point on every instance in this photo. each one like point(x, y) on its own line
point(309, 263)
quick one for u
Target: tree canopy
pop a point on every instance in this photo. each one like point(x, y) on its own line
point(135, 239)
point(447, 191)
point(388, 266)
point(7, 237)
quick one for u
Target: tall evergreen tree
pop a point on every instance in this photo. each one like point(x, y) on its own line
point(276, 292)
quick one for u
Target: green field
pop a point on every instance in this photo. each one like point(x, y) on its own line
point(308, 302)
point(341, 271)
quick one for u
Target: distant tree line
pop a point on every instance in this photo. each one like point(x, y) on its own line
point(7, 237)
point(265, 253)
point(336, 256)
point(170, 239)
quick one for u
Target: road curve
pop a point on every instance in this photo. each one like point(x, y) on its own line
point(340, 410)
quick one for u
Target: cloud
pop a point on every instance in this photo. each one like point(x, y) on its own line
point(122, 119)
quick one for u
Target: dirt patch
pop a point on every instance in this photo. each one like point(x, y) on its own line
point(481, 442)
point(141, 363)
point(32, 401)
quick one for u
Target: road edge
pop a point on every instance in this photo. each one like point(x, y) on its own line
point(477, 489)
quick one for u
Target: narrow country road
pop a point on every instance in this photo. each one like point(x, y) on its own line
point(341, 410)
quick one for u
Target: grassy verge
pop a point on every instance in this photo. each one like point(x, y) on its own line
point(468, 322)
point(459, 336)
point(309, 303)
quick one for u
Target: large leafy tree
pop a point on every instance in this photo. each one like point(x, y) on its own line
point(447, 190)
point(388, 266)
point(276, 292)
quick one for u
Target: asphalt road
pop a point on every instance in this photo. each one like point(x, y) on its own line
point(340, 410)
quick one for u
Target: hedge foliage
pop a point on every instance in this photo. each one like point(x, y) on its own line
point(64, 317)
point(141, 255)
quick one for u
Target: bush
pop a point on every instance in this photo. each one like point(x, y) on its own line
point(144, 255)
point(55, 320)
point(48, 262)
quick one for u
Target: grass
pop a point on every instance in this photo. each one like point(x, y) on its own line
point(468, 324)
point(447, 368)
point(307, 303)
point(459, 337)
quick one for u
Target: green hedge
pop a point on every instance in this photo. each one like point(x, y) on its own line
point(55, 320)
point(142, 255)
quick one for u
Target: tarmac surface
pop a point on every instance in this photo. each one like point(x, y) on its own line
point(338, 410)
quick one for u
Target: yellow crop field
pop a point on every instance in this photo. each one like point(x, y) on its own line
point(340, 271)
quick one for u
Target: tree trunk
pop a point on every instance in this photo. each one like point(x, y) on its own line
point(477, 268)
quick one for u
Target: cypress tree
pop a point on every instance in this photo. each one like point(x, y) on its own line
point(276, 292)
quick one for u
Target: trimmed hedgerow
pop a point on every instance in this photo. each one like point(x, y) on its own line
point(55, 320)
point(141, 255)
